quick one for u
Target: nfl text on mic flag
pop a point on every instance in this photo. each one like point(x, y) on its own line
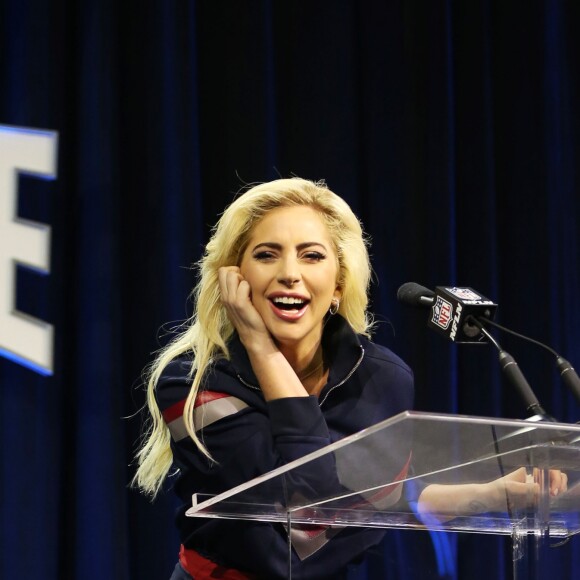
point(451, 308)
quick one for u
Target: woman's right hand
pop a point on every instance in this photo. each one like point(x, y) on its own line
point(276, 377)
point(237, 300)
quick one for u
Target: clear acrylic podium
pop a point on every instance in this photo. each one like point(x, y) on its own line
point(375, 477)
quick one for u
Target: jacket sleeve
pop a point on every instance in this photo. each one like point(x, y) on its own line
point(245, 438)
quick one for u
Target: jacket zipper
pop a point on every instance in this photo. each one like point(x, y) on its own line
point(247, 384)
point(357, 364)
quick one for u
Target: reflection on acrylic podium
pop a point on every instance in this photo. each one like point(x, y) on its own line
point(402, 472)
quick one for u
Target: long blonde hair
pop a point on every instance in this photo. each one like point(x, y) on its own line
point(205, 335)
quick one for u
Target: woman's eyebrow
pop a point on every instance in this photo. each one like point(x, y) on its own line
point(276, 246)
point(269, 245)
point(305, 245)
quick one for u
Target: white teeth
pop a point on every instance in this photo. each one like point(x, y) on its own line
point(287, 300)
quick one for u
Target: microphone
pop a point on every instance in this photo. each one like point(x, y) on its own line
point(458, 314)
point(451, 310)
point(474, 314)
point(414, 294)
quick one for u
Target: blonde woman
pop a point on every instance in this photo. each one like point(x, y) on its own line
point(275, 363)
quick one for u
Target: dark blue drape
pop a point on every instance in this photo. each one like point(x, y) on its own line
point(451, 128)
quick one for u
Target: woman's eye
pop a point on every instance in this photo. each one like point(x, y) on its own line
point(314, 256)
point(265, 255)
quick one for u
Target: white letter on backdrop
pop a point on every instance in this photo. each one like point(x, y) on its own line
point(23, 338)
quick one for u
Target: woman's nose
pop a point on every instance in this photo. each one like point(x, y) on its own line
point(289, 273)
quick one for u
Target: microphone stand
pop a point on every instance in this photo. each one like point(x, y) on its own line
point(514, 374)
point(567, 372)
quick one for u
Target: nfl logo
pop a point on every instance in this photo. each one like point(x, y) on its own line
point(464, 293)
point(442, 313)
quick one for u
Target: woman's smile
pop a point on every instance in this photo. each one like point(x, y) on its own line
point(288, 306)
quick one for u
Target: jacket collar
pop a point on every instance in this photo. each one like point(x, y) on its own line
point(340, 344)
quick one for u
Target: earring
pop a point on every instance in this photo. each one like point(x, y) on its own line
point(334, 306)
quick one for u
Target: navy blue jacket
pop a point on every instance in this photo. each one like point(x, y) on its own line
point(367, 383)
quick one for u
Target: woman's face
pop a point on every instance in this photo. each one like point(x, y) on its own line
point(292, 269)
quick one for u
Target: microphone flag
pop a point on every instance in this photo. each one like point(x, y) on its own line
point(452, 306)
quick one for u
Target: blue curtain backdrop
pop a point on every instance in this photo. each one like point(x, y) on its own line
point(452, 129)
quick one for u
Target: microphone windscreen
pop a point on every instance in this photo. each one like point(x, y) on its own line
point(411, 293)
